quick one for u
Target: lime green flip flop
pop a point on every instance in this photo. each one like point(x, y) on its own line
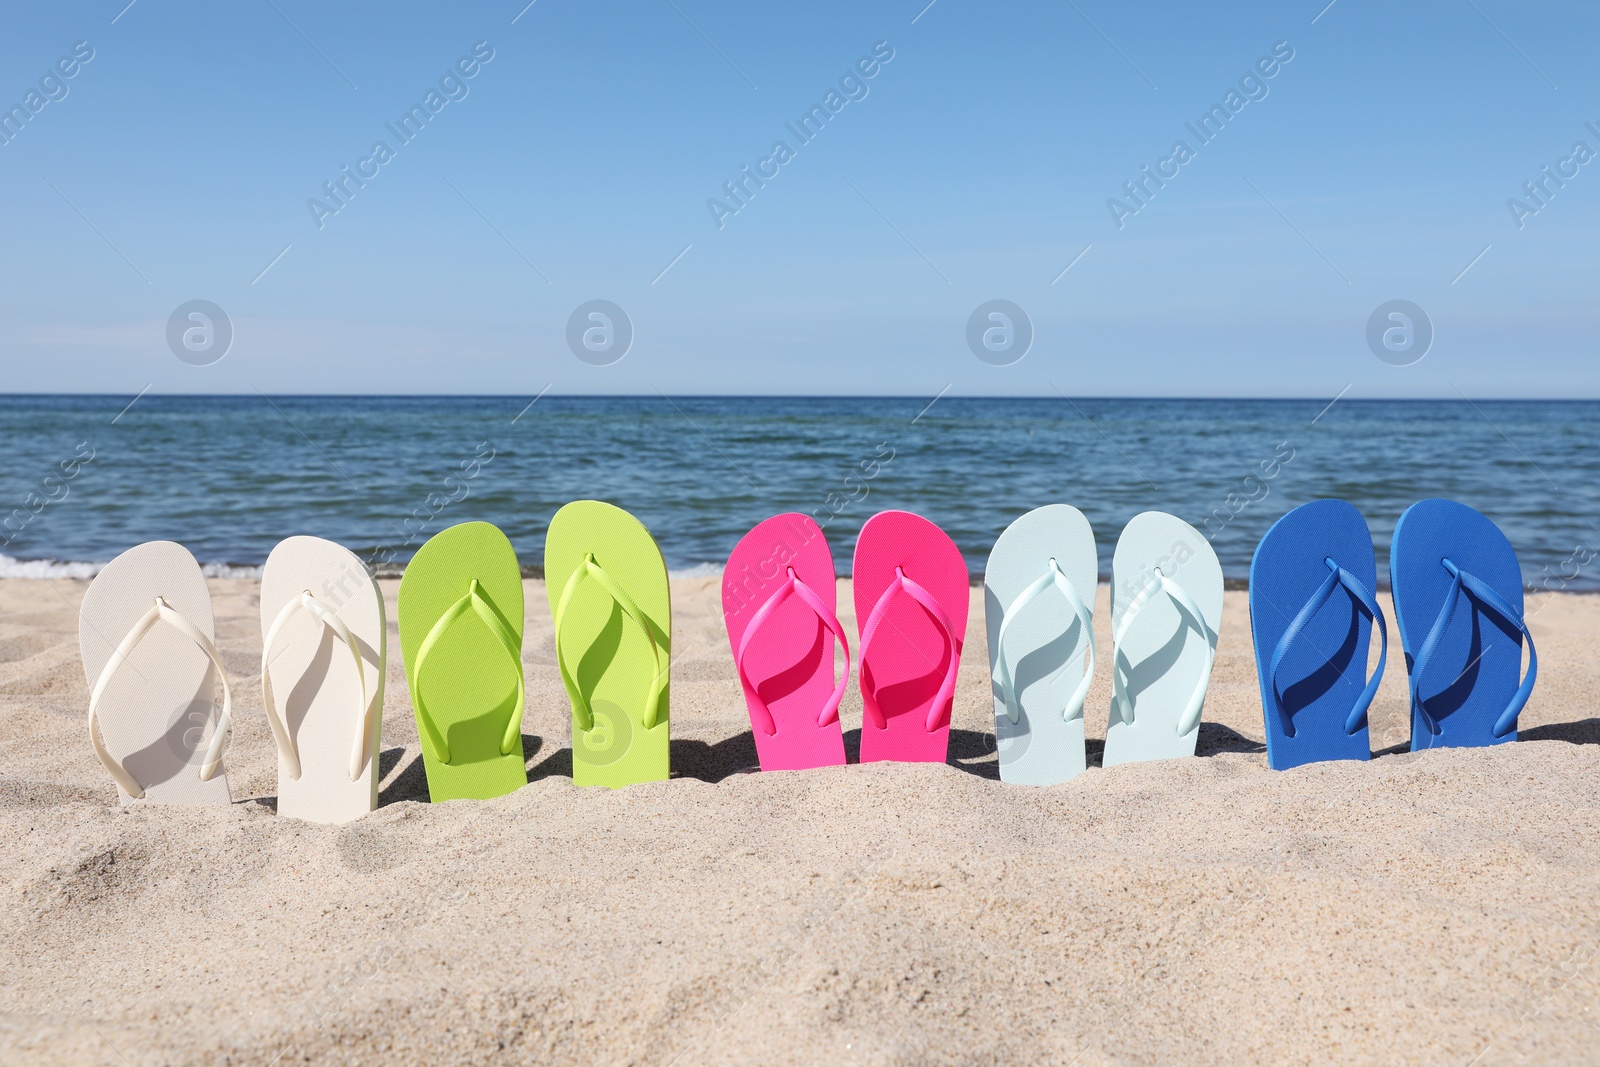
point(608, 595)
point(461, 635)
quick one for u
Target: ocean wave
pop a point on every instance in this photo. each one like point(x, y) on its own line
point(229, 570)
point(46, 568)
point(11, 567)
point(699, 570)
point(51, 568)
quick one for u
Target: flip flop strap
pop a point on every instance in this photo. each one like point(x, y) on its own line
point(361, 751)
point(590, 568)
point(1119, 693)
point(1480, 591)
point(478, 601)
point(793, 586)
point(161, 611)
point(1368, 605)
point(1052, 578)
point(938, 711)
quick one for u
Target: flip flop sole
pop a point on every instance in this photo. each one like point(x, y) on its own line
point(315, 683)
point(791, 660)
point(909, 652)
point(610, 658)
point(1324, 669)
point(159, 711)
point(470, 688)
point(1163, 656)
point(1476, 667)
point(1044, 647)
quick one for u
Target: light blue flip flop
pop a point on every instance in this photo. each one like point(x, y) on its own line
point(1038, 594)
point(1166, 612)
point(1458, 603)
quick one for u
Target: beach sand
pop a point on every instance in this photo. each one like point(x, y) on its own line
point(1440, 908)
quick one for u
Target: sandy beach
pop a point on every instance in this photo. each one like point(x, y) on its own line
point(1441, 908)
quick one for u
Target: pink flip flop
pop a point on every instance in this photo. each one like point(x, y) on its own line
point(780, 603)
point(911, 597)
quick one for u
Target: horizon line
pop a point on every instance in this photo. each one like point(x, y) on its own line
point(1458, 399)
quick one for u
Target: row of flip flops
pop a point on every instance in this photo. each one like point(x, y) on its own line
point(147, 637)
point(155, 725)
point(910, 587)
point(1458, 602)
point(146, 631)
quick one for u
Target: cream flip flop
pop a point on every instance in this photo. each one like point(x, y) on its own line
point(323, 658)
point(147, 637)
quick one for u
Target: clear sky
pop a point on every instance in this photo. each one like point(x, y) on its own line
point(578, 151)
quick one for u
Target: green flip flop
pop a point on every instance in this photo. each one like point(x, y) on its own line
point(607, 585)
point(461, 635)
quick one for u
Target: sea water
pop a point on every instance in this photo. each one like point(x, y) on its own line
point(82, 478)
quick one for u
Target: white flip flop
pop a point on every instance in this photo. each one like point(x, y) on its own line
point(323, 657)
point(1038, 595)
point(147, 637)
point(1166, 611)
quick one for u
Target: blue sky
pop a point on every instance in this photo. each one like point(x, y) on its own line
point(975, 164)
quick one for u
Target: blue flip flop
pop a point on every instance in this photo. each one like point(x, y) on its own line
point(1311, 615)
point(1458, 602)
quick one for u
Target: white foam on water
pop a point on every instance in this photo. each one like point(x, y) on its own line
point(46, 568)
point(229, 570)
point(50, 568)
point(699, 570)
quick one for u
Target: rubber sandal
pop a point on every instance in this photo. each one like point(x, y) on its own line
point(323, 658)
point(911, 596)
point(780, 603)
point(148, 641)
point(461, 622)
point(1039, 588)
point(1312, 612)
point(1166, 610)
point(612, 608)
point(1458, 605)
